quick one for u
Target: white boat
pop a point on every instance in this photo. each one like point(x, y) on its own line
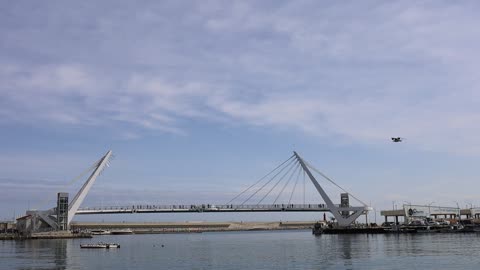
point(100, 245)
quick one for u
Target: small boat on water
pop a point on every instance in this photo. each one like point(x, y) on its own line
point(100, 245)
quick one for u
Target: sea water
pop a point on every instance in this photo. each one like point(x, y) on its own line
point(249, 250)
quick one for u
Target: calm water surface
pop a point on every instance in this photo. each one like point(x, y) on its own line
point(249, 250)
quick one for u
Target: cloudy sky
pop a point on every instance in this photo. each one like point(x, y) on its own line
point(198, 99)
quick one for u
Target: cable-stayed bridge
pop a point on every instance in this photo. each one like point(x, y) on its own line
point(275, 184)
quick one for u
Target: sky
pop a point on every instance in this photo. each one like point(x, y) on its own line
point(199, 99)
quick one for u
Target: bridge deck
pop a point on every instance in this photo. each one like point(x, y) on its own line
point(203, 208)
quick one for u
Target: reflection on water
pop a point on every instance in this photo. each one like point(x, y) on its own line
point(346, 244)
point(249, 250)
point(34, 254)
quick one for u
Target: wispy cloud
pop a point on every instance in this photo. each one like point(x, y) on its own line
point(360, 72)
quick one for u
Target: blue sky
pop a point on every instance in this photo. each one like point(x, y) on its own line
point(198, 99)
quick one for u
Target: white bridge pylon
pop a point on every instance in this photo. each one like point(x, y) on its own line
point(78, 199)
point(60, 217)
point(343, 220)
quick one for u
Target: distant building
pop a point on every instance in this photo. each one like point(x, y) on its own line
point(41, 221)
point(7, 227)
point(25, 224)
point(62, 211)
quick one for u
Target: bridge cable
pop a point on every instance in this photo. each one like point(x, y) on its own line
point(259, 180)
point(294, 186)
point(291, 161)
point(289, 179)
point(293, 165)
point(331, 181)
point(69, 183)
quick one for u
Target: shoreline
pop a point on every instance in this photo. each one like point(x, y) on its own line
point(192, 227)
point(84, 228)
point(45, 235)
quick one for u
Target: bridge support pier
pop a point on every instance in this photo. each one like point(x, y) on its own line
point(339, 213)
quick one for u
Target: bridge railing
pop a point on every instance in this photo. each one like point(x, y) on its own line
point(211, 207)
point(271, 206)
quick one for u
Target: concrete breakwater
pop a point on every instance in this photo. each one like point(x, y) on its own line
point(192, 227)
point(45, 235)
point(8, 236)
